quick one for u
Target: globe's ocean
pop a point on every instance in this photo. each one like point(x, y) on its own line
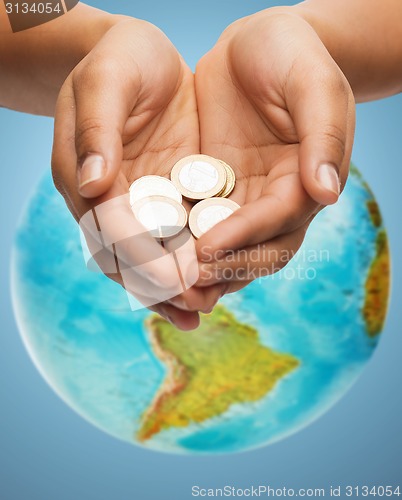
point(95, 352)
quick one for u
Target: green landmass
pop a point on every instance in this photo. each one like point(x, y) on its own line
point(209, 369)
point(377, 287)
point(354, 171)
point(378, 278)
point(374, 211)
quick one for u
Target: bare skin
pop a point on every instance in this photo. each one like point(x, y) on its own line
point(34, 63)
point(114, 141)
point(275, 101)
point(274, 98)
point(276, 132)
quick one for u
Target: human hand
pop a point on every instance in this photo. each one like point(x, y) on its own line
point(127, 110)
point(275, 106)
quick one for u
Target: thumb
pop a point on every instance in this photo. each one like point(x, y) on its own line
point(104, 99)
point(323, 112)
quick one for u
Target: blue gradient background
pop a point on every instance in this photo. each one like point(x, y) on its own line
point(47, 452)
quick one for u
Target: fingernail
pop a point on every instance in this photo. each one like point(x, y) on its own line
point(327, 176)
point(93, 168)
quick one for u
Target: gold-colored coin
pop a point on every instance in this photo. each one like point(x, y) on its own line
point(207, 213)
point(163, 217)
point(198, 177)
point(230, 180)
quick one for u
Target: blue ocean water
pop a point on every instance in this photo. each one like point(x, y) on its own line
point(95, 353)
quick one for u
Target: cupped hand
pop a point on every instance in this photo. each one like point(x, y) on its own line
point(127, 110)
point(275, 106)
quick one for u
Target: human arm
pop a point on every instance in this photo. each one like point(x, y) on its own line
point(278, 75)
point(127, 98)
point(126, 110)
point(365, 39)
point(34, 63)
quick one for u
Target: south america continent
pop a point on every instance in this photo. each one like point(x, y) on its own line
point(220, 364)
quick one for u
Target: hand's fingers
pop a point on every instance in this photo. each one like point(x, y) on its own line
point(152, 273)
point(199, 299)
point(225, 288)
point(253, 262)
point(64, 158)
point(105, 95)
point(195, 299)
point(235, 286)
point(302, 93)
point(115, 91)
point(146, 267)
point(283, 207)
point(92, 109)
point(321, 103)
point(183, 320)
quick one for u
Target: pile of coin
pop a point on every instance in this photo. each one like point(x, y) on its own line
point(157, 202)
point(198, 177)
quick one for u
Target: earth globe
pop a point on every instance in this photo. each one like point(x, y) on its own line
point(266, 362)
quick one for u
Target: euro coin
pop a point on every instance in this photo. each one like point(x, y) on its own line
point(153, 185)
point(207, 213)
point(198, 177)
point(163, 217)
point(230, 180)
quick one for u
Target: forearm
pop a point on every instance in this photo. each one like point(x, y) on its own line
point(34, 63)
point(365, 39)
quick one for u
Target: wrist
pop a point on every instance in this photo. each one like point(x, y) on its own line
point(339, 39)
point(353, 33)
point(90, 29)
point(328, 32)
point(55, 48)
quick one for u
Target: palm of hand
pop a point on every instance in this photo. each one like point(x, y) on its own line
point(167, 130)
point(161, 128)
point(239, 113)
point(260, 150)
point(254, 132)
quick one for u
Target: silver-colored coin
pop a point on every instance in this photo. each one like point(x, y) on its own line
point(163, 217)
point(153, 185)
point(198, 177)
point(207, 213)
point(230, 180)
